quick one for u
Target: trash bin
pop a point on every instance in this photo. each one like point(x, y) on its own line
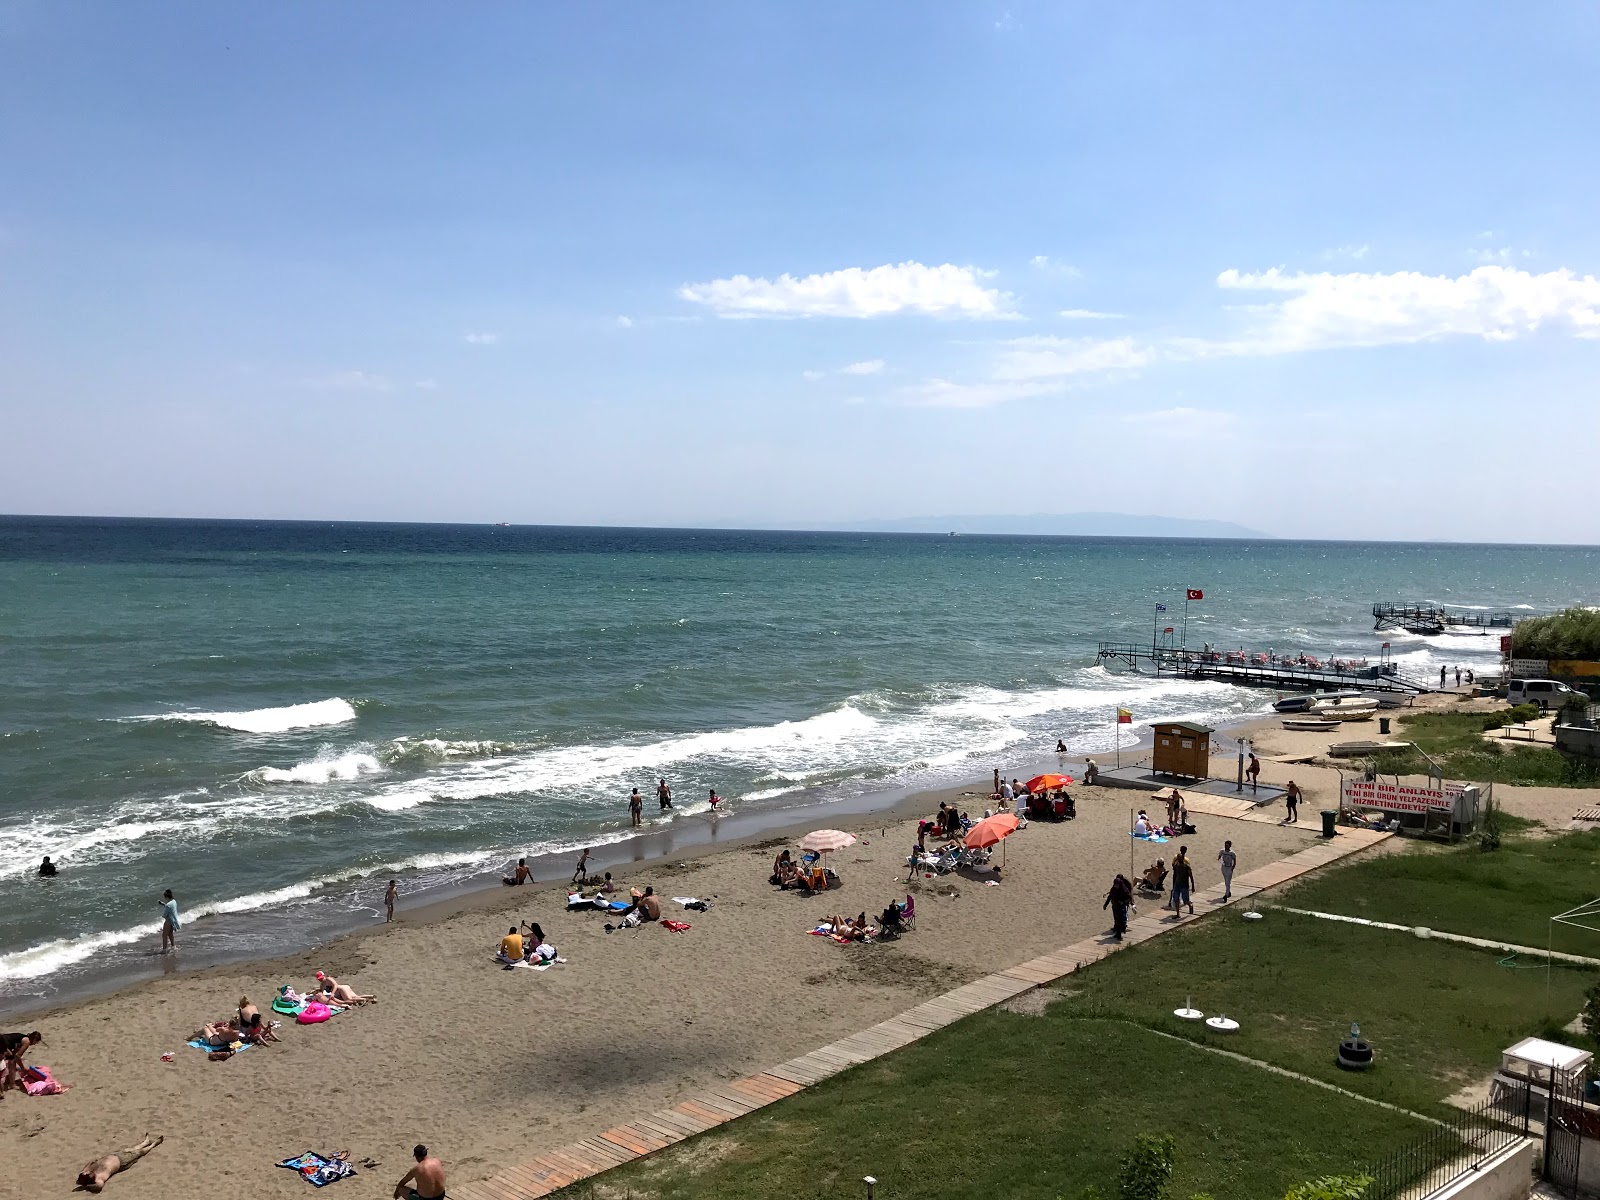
point(1383, 724)
point(1329, 816)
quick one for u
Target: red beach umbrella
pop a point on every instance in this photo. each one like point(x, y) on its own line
point(1049, 782)
point(991, 830)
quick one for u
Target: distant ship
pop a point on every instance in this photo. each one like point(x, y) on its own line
point(502, 524)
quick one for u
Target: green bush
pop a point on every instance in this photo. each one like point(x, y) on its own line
point(1573, 633)
point(1591, 1012)
point(1332, 1187)
point(1147, 1168)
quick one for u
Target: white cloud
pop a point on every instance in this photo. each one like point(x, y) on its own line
point(426, 385)
point(1184, 422)
point(624, 322)
point(1089, 314)
point(351, 381)
point(908, 287)
point(813, 376)
point(1359, 309)
point(1007, 23)
point(1057, 358)
point(1054, 266)
point(872, 366)
point(945, 393)
point(480, 339)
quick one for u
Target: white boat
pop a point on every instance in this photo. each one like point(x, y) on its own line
point(1311, 724)
point(1345, 708)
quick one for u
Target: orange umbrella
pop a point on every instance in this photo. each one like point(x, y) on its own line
point(1049, 782)
point(991, 830)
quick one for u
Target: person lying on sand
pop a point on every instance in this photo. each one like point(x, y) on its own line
point(334, 992)
point(97, 1170)
point(218, 1035)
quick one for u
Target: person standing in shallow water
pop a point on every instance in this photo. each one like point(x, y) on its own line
point(169, 922)
point(636, 807)
point(664, 794)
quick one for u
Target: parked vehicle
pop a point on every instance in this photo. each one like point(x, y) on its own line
point(1546, 693)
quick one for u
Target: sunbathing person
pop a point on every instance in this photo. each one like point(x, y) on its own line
point(246, 1011)
point(97, 1170)
point(1155, 875)
point(333, 992)
point(217, 1034)
point(783, 870)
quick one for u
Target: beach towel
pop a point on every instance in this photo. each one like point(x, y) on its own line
point(318, 1170)
point(1153, 837)
point(676, 926)
point(37, 1081)
point(691, 902)
point(235, 1047)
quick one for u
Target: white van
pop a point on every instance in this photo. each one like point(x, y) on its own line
point(1546, 693)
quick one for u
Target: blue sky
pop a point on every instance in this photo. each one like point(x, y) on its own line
point(1325, 270)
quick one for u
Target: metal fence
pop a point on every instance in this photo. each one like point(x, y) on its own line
point(1450, 1150)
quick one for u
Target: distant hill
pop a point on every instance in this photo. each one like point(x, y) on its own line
point(1065, 524)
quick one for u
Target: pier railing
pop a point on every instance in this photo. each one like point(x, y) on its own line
point(1472, 618)
point(1255, 669)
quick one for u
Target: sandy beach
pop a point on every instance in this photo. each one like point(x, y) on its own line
point(488, 1066)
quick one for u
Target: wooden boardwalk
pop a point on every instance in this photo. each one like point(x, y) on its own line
point(556, 1169)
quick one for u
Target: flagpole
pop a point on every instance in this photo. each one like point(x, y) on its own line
point(1155, 621)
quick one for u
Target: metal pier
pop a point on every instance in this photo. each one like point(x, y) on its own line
point(1262, 670)
point(1403, 616)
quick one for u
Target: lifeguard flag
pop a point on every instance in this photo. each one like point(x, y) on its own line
point(1124, 716)
point(1196, 594)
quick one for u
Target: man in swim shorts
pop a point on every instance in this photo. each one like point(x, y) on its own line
point(12, 1048)
point(97, 1170)
point(426, 1178)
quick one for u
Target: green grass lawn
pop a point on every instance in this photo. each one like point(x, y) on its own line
point(1438, 1013)
point(1509, 894)
point(1045, 1105)
point(1022, 1106)
point(1455, 742)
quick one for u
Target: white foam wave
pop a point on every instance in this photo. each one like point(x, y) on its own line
point(325, 767)
point(398, 802)
point(313, 715)
point(26, 845)
point(49, 957)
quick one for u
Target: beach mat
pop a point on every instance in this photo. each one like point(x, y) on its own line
point(318, 1170)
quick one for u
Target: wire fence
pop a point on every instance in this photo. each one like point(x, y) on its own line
point(1451, 1149)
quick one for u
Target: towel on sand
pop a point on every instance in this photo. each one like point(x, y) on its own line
point(319, 1170)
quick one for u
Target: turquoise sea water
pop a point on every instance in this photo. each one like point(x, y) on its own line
point(269, 717)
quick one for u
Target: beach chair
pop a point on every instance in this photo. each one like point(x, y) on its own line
point(908, 914)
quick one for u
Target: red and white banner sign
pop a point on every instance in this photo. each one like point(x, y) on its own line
point(1389, 796)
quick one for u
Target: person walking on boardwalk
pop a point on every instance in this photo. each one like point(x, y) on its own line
point(1227, 859)
point(1253, 770)
point(1291, 801)
point(636, 807)
point(1119, 900)
point(1182, 881)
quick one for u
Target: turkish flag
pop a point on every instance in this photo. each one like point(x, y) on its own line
point(1196, 594)
point(1168, 629)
